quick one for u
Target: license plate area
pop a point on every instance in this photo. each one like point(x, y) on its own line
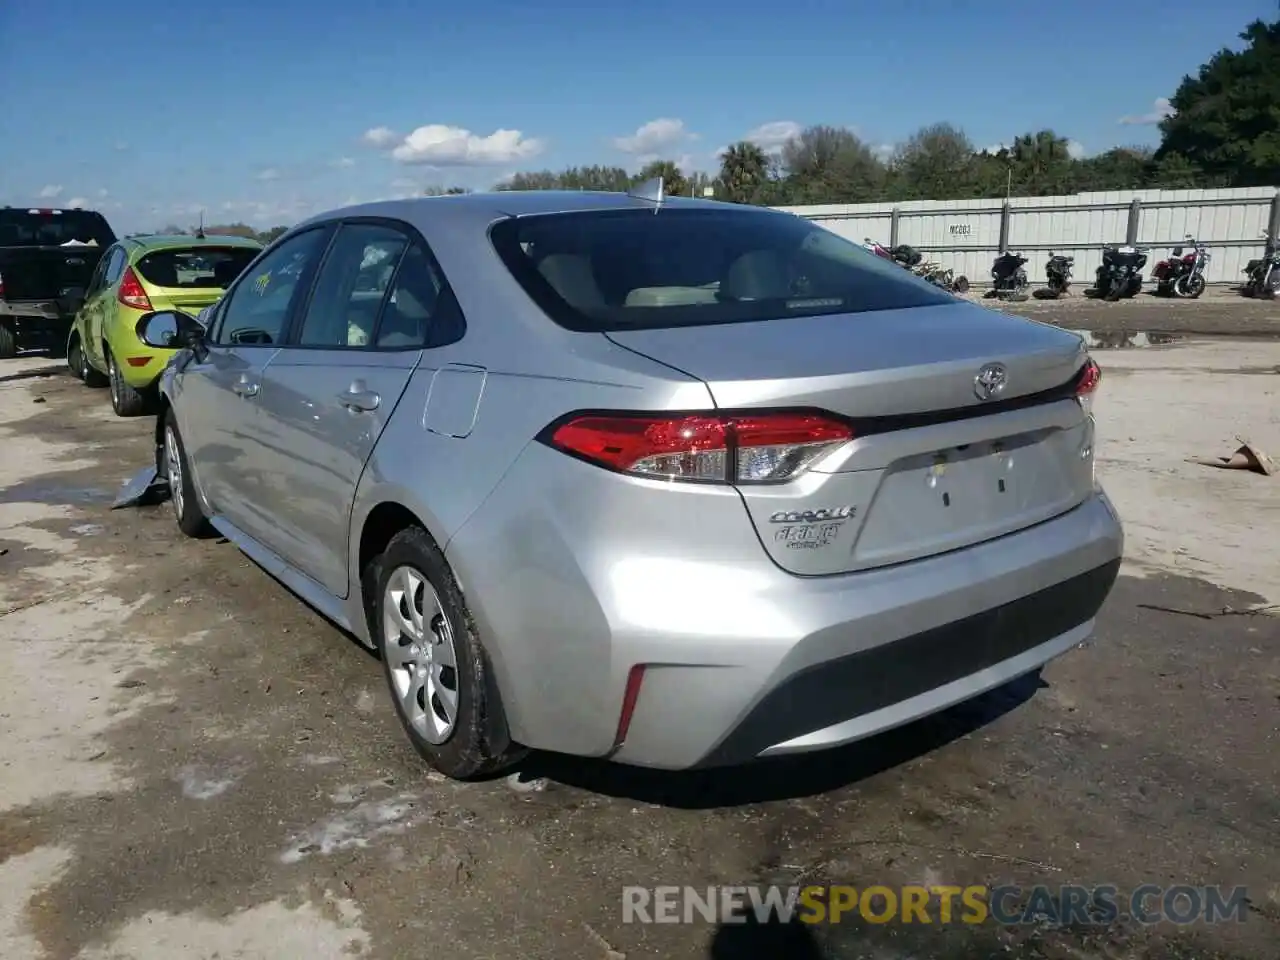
point(950, 498)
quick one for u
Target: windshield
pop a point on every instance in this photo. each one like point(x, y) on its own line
point(199, 268)
point(635, 269)
point(53, 228)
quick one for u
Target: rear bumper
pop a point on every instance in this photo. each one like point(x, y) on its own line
point(574, 582)
point(38, 319)
point(855, 696)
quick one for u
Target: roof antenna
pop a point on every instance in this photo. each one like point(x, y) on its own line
point(651, 191)
point(200, 229)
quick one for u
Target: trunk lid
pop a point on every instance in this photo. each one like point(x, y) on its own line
point(932, 467)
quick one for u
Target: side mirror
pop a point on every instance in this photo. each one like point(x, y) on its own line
point(169, 330)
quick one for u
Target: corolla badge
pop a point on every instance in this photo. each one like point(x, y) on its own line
point(990, 381)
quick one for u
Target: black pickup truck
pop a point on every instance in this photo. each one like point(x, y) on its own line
point(47, 257)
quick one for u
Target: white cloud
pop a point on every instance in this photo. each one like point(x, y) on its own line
point(883, 151)
point(75, 203)
point(771, 136)
point(444, 146)
point(1075, 149)
point(121, 146)
point(996, 148)
point(104, 192)
point(342, 163)
point(380, 137)
point(269, 174)
point(1159, 111)
point(50, 191)
point(654, 137)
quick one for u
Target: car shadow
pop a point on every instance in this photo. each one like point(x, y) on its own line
point(750, 938)
point(783, 778)
point(36, 373)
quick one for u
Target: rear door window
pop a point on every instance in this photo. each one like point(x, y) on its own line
point(632, 269)
point(197, 268)
point(351, 286)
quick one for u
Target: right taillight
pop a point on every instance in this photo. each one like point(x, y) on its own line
point(746, 448)
point(1087, 384)
point(131, 292)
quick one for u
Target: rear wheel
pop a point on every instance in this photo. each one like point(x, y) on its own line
point(435, 667)
point(8, 341)
point(126, 400)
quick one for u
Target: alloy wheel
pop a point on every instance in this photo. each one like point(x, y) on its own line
point(422, 657)
point(173, 468)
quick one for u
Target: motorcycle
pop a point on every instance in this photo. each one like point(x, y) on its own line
point(1010, 279)
point(1121, 272)
point(1182, 275)
point(1263, 274)
point(1058, 273)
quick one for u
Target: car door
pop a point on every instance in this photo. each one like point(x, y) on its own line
point(218, 408)
point(99, 299)
point(328, 394)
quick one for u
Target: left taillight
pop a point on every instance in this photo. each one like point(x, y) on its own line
point(1087, 383)
point(744, 448)
point(131, 292)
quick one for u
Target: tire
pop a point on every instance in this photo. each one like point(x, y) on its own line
point(1190, 288)
point(961, 285)
point(75, 359)
point(8, 341)
point(126, 401)
point(412, 577)
point(182, 493)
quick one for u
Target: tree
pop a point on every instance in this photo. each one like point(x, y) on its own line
point(267, 236)
point(1121, 168)
point(744, 172)
point(831, 165)
point(936, 161)
point(1226, 119)
point(1042, 165)
point(674, 183)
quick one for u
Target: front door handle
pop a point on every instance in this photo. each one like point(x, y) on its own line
point(359, 401)
point(244, 387)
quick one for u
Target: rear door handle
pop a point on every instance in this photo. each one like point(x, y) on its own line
point(359, 401)
point(244, 387)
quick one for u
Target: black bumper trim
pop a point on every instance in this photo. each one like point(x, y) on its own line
point(860, 683)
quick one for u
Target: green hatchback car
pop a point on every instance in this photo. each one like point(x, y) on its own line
point(136, 276)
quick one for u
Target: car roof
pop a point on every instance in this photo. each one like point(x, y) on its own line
point(166, 241)
point(481, 209)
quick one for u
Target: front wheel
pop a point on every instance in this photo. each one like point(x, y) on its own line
point(126, 400)
point(435, 668)
point(182, 493)
point(1190, 288)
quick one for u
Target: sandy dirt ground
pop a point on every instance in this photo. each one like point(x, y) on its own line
point(195, 765)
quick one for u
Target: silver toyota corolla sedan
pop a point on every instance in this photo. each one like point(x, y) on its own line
point(673, 482)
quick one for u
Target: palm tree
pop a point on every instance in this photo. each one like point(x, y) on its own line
point(744, 169)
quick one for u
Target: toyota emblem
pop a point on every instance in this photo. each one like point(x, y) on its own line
point(990, 381)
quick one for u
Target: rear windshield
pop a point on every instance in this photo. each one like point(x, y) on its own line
point(53, 228)
point(201, 268)
point(637, 269)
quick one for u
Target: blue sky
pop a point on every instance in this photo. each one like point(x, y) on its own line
point(266, 111)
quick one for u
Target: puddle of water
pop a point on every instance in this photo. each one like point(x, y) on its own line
point(1124, 339)
point(43, 491)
